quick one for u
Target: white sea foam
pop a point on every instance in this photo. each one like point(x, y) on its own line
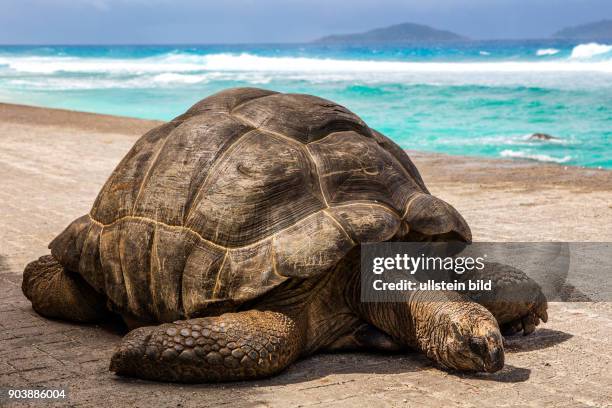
point(524, 141)
point(519, 154)
point(547, 51)
point(179, 69)
point(585, 51)
point(144, 81)
point(181, 63)
point(50, 65)
point(171, 77)
point(484, 53)
point(56, 84)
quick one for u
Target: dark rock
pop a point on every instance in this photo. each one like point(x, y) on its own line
point(542, 136)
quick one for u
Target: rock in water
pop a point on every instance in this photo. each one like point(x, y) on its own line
point(542, 136)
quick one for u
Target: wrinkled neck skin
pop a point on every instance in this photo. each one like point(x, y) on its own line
point(320, 305)
point(448, 327)
point(329, 307)
point(427, 321)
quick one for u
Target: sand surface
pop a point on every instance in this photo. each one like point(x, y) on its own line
point(53, 163)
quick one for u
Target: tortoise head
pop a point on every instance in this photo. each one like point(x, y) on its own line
point(473, 343)
point(430, 219)
point(461, 335)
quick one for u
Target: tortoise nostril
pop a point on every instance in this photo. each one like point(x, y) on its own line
point(478, 345)
point(492, 355)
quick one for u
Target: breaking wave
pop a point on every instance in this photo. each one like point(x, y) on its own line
point(585, 51)
point(516, 140)
point(180, 63)
point(547, 51)
point(518, 154)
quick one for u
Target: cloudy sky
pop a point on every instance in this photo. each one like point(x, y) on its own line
point(245, 21)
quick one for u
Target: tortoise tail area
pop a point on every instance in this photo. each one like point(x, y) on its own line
point(58, 293)
point(54, 286)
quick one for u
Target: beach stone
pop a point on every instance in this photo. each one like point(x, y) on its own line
point(542, 136)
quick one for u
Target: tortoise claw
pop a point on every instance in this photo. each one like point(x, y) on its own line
point(541, 311)
point(528, 322)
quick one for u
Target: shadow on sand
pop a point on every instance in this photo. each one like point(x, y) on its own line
point(508, 374)
point(323, 365)
point(538, 340)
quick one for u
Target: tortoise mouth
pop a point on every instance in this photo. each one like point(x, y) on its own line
point(495, 362)
point(489, 360)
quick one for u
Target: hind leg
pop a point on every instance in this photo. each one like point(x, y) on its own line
point(516, 300)
point(58, 293)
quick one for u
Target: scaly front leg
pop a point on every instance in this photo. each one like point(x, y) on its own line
point(230, 347)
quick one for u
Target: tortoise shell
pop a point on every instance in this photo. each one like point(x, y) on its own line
point(246, 190)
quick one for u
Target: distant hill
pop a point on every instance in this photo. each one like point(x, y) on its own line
point(400, 33)
point(591, 31)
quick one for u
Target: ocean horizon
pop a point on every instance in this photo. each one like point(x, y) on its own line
point(476, 98)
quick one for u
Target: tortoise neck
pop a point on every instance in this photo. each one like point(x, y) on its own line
point(322, 304)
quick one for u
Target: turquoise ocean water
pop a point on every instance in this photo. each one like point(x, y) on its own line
point(476, 98)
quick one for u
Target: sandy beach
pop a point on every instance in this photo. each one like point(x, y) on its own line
point(54, 162)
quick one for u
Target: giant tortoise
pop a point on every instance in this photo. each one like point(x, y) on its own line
point(228, 239)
